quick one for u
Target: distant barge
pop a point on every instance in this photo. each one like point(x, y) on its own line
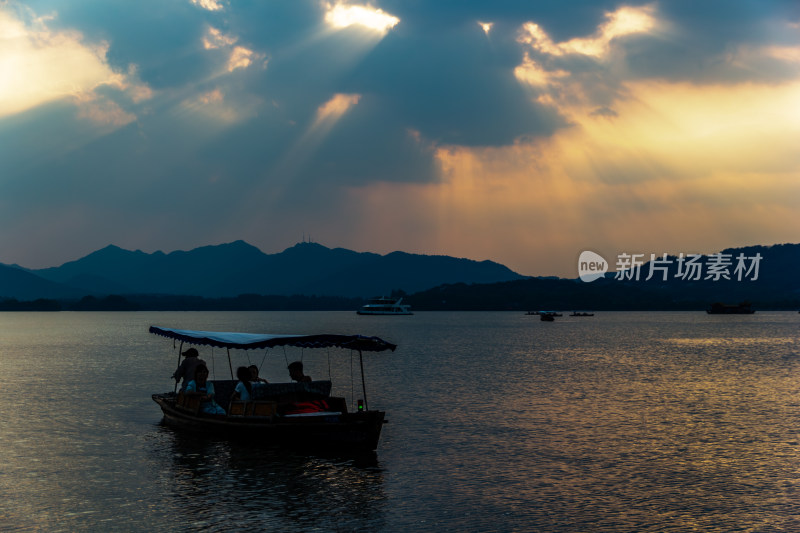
point(725, 309)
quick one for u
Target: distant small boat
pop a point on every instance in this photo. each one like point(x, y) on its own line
point(547, 317)
point(718, 308)
point(385, 306)
point(545, 313)
point(581, 313)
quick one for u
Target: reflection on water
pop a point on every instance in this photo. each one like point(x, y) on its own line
point(732, 341)
point(218, 484)
point(497, 422)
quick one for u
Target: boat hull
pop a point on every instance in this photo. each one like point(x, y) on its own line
point(385, 306)
point(347, 431)
point(363, 312)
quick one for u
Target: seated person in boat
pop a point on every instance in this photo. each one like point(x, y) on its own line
point(296, 373)
point(188, 367)
point(254, 375)
point(205, 389)
point(244, 389)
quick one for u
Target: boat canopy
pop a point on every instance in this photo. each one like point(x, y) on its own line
point(250, 341)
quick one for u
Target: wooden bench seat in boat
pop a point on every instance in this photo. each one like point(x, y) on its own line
point(258, 408)
point(275, 392)
point(188, 402)
point(270, 398)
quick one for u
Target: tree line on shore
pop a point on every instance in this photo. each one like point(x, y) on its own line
point(520, 295)
point(244, 302)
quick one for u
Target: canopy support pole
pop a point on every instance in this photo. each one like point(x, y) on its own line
point(229, 362)
point(363, 382)
point(180, 349)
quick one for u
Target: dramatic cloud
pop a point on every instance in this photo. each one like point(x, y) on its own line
point(675, 169)
point(210, 5)
point(239, 56)
point(342, 16)
point(214, 39)
point(624, 21)
point(646, 165)
point(39, 66)
point(334, 108)
point(516, 131)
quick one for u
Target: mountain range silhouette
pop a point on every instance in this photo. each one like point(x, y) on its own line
point(227, 270)
point(308, 275)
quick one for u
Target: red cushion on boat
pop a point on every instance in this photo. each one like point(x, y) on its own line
point(311, 406)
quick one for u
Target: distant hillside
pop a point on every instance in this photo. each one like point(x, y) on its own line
point(310, 276)
point(763, 274)
point(238, 268)
point(777, 286)
point(22, 285)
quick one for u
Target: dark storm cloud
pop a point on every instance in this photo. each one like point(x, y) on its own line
point(160, 37)
point(435, 73)
point(454, 88)
point(210, 134)
point(704, 38)
point(438, 72)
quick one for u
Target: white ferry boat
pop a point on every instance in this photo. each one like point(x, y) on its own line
point(385, 306)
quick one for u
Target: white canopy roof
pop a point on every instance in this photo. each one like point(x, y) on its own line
point(248, 341)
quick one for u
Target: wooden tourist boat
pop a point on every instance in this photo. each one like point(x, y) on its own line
point(296, 414)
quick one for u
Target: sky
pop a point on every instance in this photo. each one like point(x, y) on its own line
point(517, 131)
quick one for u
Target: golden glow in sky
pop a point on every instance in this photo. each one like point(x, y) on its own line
point(648, 131)
point(325, 119)
point(38, 66)
point(240, 57)
point(532, 73)
point(343, 15)
point(676, 160)
point(210, 5)
point(663, 167)
point(214, 39)
point(624, 21)
point(333, 109)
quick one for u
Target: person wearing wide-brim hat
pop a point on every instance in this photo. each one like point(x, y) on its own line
point(187, 367)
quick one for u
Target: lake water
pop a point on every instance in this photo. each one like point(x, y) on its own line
point(497, 422)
